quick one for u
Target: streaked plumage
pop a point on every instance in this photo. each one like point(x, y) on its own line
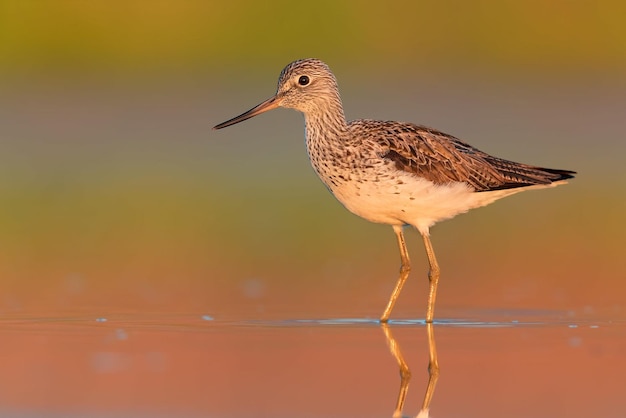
point(393, 172)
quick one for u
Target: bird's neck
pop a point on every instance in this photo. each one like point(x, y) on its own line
point(327, 122)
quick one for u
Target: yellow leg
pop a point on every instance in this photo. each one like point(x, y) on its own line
point(433, 278)
point(405, 268)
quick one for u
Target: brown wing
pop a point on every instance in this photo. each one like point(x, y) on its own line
point(442, 158)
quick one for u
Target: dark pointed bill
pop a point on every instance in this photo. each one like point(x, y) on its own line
point(269, 104)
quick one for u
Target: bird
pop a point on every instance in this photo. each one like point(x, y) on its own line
point(395, 173)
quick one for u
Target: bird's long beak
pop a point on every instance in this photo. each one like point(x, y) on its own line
point(269, 104)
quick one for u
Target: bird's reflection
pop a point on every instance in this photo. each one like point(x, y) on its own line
point(405, 372)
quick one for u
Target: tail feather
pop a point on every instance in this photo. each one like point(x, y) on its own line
point(523, 175)
point(561, 174)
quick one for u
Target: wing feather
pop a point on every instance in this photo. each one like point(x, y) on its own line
point(442, 158)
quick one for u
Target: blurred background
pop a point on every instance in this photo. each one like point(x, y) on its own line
point(116, 194)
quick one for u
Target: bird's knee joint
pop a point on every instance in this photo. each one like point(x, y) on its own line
point(433, 274)
point(405, 269)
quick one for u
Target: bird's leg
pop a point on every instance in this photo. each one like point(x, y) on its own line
point(433, 278)
point(405, 268)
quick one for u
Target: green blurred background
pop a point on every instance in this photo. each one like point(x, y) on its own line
point(115, 192)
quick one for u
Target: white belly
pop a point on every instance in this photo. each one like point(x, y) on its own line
point(410, 200)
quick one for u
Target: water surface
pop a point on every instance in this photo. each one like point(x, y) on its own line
point(531, 364)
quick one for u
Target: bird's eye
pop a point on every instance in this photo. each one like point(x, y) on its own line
point(303, 80)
